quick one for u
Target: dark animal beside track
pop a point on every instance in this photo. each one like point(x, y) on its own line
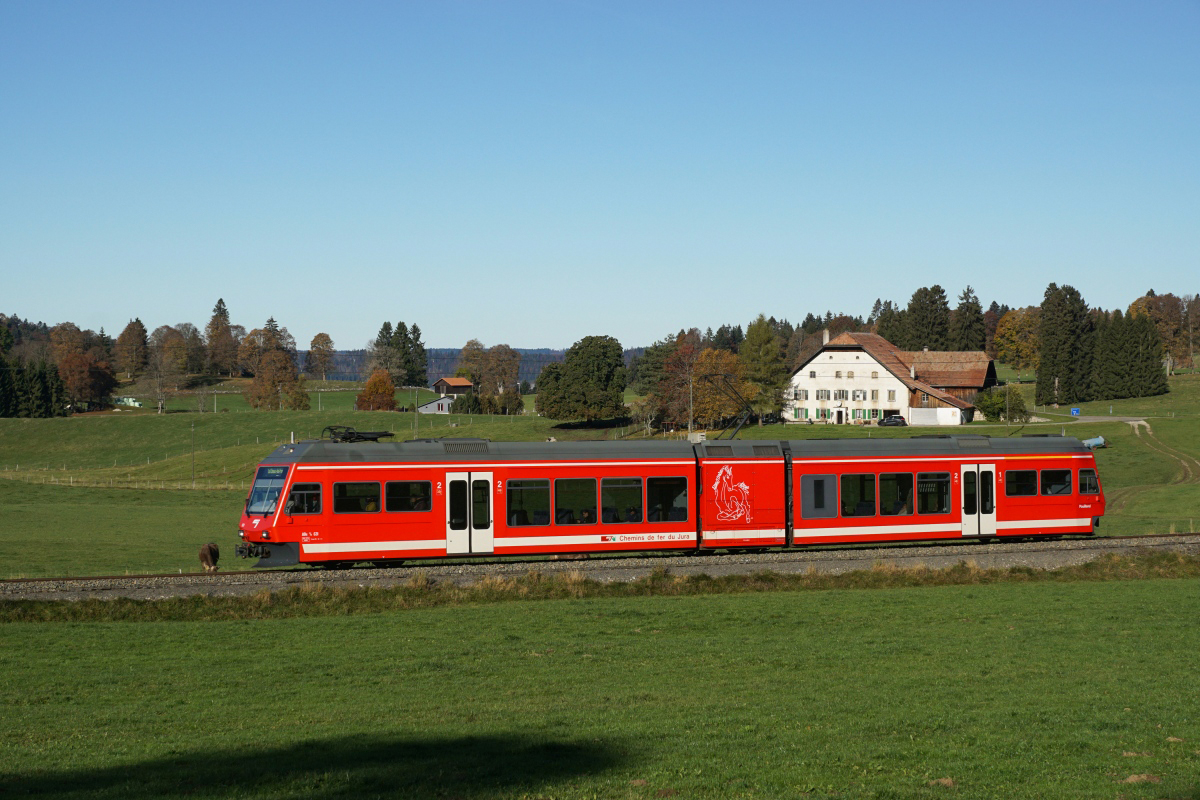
point(210, 554)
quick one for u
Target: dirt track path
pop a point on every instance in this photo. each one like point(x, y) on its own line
point(1189, 471)
point(1190, 466)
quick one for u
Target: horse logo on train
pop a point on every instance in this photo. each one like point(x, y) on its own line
point(732, 499)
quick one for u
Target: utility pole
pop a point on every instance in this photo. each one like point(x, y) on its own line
point(193, 454)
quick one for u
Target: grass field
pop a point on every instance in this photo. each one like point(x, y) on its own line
point(1040, 690)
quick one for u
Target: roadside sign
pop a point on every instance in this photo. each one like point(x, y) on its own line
point(1074, 412)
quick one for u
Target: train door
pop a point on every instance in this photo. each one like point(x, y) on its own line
point(978, 499)
point(469, 513)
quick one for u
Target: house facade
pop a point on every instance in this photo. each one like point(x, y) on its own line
point(861, 378)
point(440, 405)
point(452, 387)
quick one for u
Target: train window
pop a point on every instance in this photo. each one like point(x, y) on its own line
point(933, 493)
point(987, 503)
point(574, 501)
point(458, 505)
point(305, 498)
point(408, 496)
point(355, 498)
point(896, 494)
point(528, 503)
point(858, 495)
point(666, 500)
point(818, 496)
point(1020, 483)
point(481, 497)
point(1056, 481)
point(264, 494)
point(1087, 482)
point(970, 493)
point(621, 500)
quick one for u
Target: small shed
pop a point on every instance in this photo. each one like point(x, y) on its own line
point(440, 405)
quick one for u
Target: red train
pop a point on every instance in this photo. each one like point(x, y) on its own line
point(334, 503)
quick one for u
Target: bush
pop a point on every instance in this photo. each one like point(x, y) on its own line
point(993, 402)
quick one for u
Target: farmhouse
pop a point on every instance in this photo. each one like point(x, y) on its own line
point(452, 386)
point(861, 378)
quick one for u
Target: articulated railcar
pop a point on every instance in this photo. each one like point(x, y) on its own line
point(333, 503)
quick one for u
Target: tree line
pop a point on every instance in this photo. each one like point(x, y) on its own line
point(48, 371)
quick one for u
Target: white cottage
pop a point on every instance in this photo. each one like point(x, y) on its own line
point(861, 378)
point(440, 405)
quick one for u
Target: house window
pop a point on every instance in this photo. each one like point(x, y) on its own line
point(874, 374)
point(803, 413)
point(891, 395)
point(875, 394)
point(850, 374)
point(840, 394)
point(822, 394)
point(802, 394)
point(812, 373)
point(837, 374)
point(874, 413)
point(860, 394)
point(924, 398)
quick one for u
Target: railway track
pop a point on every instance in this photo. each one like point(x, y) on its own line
point(1037, 554)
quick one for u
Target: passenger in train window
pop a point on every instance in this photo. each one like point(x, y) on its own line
point(617, 494)
point(575, 501)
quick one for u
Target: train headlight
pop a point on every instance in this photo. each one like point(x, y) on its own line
point(266, 534)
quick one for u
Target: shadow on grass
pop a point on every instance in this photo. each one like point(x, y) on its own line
point(589, 425)
point(355, 766)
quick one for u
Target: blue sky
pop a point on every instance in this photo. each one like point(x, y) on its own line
point(531, 173)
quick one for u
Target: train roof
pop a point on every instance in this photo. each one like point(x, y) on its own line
point(467, 450)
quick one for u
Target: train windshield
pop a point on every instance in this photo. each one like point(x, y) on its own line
point(268, 483)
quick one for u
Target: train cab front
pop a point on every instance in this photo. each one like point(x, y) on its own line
point(256, 530)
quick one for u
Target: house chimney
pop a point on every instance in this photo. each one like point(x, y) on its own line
point(912, 371)
point(825, 336)
point(925, 349)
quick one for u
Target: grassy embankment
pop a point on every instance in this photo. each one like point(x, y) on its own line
point(226, 396)
point(138, 513)
point(1037, 690)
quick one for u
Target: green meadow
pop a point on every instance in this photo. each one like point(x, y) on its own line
point(1036, 690)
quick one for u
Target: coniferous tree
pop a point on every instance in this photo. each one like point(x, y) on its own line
point(652, 366)
point(1064, 333)
point(891, 324)
point(402, 345)
point(418, 362)
point(967, 328)
point(1149, 375)
point(221, 345)
point(762, 356)
point(132, 348)
point(927, 323)
point(8, 389)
